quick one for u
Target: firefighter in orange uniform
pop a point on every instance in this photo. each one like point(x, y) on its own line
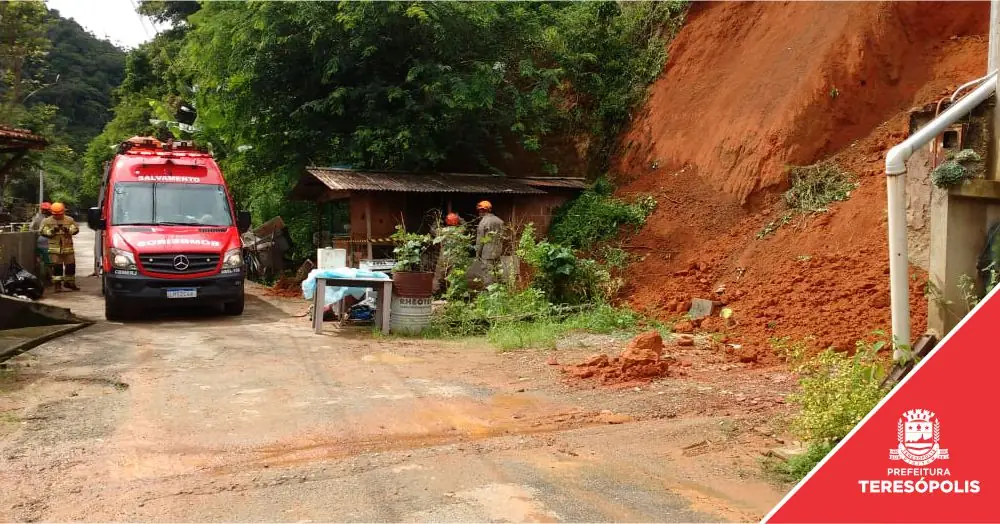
point(59, 229)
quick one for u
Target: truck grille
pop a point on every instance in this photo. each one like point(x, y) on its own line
point(179, 263)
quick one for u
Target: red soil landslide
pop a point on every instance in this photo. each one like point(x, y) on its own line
point(750, 88)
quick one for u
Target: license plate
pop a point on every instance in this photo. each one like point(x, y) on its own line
point(182, 293)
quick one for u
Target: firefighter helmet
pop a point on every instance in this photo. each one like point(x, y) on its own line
point(452, 219)
point(46, 206)
point(485, 205)
point(58, 208)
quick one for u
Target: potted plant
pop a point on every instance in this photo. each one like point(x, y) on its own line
point(410, 277)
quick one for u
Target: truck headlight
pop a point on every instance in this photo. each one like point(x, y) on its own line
point(233, 259)
point(121, 259)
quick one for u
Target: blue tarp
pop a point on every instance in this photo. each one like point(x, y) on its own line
point(336, 293)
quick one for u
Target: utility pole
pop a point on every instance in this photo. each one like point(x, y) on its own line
point(41, 184)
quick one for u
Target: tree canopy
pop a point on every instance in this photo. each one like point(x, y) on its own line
point(57, 80)
point(530, 87)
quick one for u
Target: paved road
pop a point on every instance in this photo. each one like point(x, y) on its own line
point(200, 417)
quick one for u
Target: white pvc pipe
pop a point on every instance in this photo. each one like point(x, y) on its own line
point(895, 159)
point(899, 289)
point(895, 167)
point(969, 84)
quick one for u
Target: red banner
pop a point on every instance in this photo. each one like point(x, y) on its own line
point(929, 452)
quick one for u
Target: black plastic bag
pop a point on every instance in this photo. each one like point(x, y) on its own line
point(21, 282)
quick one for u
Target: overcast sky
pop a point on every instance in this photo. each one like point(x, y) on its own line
point(114, 20)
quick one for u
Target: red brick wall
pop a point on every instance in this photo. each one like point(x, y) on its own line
point(538, 209)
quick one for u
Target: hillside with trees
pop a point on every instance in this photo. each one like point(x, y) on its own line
point(58, 81)
point(538, 88)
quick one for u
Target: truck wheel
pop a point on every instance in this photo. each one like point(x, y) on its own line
point(113, 310)
point(234, 308)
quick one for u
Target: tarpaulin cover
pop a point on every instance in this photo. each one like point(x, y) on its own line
point(335, 294)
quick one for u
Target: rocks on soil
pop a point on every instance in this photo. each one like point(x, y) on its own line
point(640, 361)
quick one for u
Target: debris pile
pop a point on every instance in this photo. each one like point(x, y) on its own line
point(291, 286)
point(641, 361)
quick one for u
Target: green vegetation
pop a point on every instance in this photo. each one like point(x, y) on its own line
point(817, 186)
point(798, 466)
point(57, 81)
point(565, 293)
point(558, 272)
point(409, 250)
point(596, 216)
point(813, 189)
point(456, 253)
point(460, 86)
point(512, 319)
point(836, 391)
point(958, 168)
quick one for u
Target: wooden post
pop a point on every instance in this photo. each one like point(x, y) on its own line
point(368, 223)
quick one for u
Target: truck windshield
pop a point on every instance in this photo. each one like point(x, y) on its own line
point(145, 203)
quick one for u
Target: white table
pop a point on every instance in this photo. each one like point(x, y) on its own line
point(384, 287)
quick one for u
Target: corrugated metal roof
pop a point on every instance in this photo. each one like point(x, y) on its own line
point(352, 180)
point(16, 136)
point(565, 183)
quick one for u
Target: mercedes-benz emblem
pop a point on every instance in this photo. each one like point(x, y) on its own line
point(181, 262)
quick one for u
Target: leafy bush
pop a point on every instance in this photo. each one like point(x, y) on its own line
point(561, 275)
point(837, 391)
point(596, 216)
point(815, 187)
point(455, 244)
point(409, 250)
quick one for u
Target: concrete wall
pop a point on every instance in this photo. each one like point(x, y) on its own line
point(959, 220)
point(20, 246)
point(920, 191)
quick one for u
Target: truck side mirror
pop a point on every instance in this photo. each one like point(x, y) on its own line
point(243, 221)
point(94, 220)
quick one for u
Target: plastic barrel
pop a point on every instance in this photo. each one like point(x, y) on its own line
point(409, 315)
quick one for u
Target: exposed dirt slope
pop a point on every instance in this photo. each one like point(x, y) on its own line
point(751, 88)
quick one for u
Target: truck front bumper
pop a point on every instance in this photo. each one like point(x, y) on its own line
point(154, 291)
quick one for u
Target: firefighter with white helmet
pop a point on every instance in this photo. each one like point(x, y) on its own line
point(60, 229)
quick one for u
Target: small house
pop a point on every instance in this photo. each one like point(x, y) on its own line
point(378, 201)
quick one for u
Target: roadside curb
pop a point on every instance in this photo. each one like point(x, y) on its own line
point(37, 341)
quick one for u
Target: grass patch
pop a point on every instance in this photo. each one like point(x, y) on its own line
point(798, 466)
point(817, 186)
point(525, 319)
point(545, 332)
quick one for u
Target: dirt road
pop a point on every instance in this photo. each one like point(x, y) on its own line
point(201, 417)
